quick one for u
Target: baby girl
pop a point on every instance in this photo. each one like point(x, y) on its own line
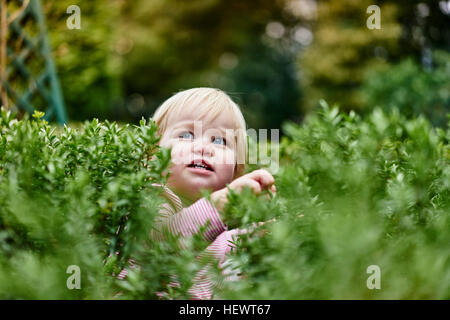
point(206, 132)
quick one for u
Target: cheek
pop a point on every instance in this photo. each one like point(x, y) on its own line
point(226, 174)
point(231, 170)
point(226, 156)
point(180, 154)
point(177, 163)
point(228, 164)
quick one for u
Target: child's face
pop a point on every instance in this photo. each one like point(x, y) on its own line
point(198, 141)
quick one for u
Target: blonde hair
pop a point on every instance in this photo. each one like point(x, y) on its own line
point(209, 103)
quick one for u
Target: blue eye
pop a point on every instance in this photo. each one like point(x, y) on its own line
point(186, 135)
point(219, 140)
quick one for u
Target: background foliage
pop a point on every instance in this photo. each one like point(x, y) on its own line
point(411, 89)
point(276, 58)
point(345, 53)
point(88, 66)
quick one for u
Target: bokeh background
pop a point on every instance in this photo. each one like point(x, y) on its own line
point(276, 58)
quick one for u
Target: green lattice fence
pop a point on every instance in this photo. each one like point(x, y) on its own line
point(28, 78)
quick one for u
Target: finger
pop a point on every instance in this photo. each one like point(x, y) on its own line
point(267, 179)
point(263, 177)
point(255, 186)
point(261, 223)
point(273, 189)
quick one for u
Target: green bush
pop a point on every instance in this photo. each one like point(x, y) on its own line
point(82, 197)
point(352, 192)
point(411, 89)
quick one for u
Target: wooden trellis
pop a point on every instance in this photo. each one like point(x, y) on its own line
point(28, 78)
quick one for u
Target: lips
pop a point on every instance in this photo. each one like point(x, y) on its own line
point(201, 164)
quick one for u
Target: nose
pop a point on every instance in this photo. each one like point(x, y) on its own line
point(202, 147)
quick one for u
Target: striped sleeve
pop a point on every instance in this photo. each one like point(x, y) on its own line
point(205, 283)
point(188, 221)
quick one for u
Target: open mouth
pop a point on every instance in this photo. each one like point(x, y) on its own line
point(201, 164)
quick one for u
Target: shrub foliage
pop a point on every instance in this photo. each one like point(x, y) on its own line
point(352, 192)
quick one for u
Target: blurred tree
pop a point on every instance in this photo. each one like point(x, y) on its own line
point(87, 61)
point(265, 83)
point(413, 90)
point(128, 57)
point(173, 45)
point(344, 51)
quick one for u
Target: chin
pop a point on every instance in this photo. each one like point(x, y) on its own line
point(201, 186)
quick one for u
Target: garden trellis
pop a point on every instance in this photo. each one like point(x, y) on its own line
point(28, 78)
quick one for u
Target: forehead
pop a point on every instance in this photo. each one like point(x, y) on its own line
point(188, 115)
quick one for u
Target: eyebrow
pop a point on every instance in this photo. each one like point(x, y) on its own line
point(185, 124)
point(190, 124)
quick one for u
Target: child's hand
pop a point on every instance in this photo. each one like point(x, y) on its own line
point(257, 180)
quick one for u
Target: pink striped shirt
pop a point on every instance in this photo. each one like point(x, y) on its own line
point(187, 222)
